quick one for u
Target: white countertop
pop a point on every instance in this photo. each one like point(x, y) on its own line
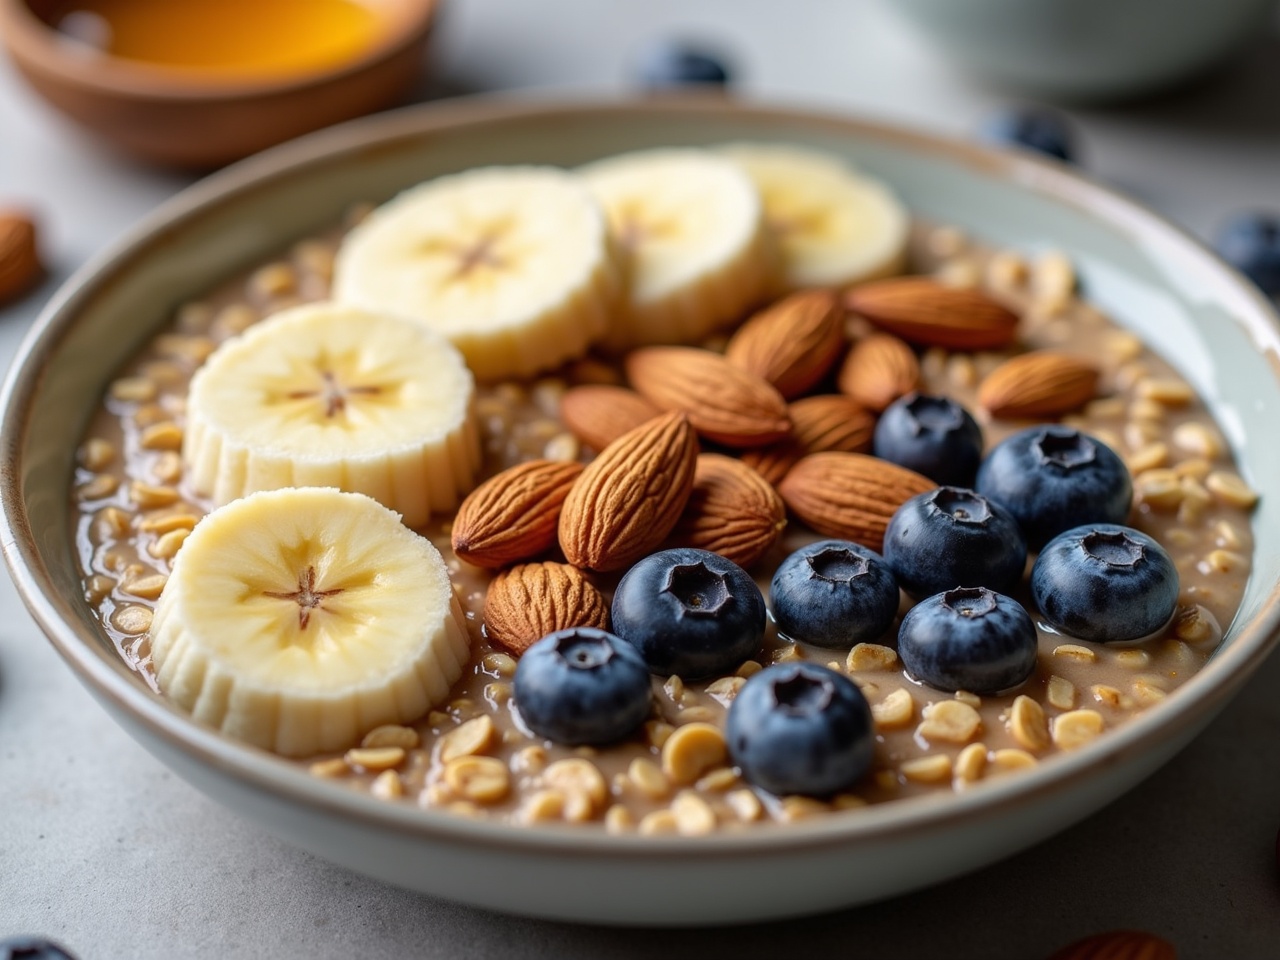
point(102, 848)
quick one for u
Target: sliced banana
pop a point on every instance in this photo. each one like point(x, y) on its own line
point(512, 264)
point(332, 395)
point(692, 228)
point(298, 620)
point(833, 225)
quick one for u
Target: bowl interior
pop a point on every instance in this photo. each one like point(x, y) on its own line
point(1198, 314)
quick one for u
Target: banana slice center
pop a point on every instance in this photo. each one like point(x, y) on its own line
point(477, 262)
point(336, 388)
point(307, 597)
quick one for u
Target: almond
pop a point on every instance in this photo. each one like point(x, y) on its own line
point(1119, 945)
point(724, 403)
point(599, 415)
point(1038, 385)
point(20, 266)
point(513, 516)
point(529, 601)
point(849, 495)
point(922, 311)
point(879, 370)
point(629, 498)
point(792, 344)
point(819, 424)
point(732, 511)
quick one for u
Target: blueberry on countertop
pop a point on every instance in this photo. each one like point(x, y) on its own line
point(689, 612)
point(952, 537)
point(1103, 582)
point(969, 638)
point(1250, 242)
point(665, 64)
point(1031, 128)
point(934, 436)
point(32, 948)
point(834, 593)
point(1053, 478)
point(800, 728)
point(582, 686)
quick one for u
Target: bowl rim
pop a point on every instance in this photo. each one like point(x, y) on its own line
point(407, 22)
point(109, 679)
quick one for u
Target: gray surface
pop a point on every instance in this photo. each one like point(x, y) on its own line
point(101, 847)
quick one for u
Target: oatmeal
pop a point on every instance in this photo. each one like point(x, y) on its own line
point(474, 755)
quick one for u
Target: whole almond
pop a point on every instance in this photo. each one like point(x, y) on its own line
point(922, 311)
point(20, 266)
point(849, 495)
point(599, 415)
point(793, 343)
point(514, 515)
point(827, 422)
point(630, 496)
point(878, 370)
point(724, 403)
point(1119, 945)
point(732, 511)
point(530, 600)
point(1038, 385)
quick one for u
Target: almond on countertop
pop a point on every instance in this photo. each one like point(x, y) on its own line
point(732, 511)
point(1119, 945)
point(1038, 385)
point(878, 370)
point(827, 422)
point(723, 403)
point(529, 601)
point(20, 266)
point(922, 311)
point(793, 343)
point(598, 414)
point(630, 497)
point(849, 495)
point(514, 515)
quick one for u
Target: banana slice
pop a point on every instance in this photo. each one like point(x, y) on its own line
point(298, 620)
point(833, 226)
point(512, 264)
point(332, 395)
point(692, 227)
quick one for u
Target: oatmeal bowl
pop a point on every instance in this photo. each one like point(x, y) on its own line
point(664, 513)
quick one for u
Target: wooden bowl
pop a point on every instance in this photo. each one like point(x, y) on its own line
point(182, 119)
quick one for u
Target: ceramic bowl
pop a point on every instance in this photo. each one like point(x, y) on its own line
point(184, 120)
point(1205, 318)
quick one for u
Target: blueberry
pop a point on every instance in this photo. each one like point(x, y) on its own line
point(668, 63)
point(969, 638)
point(800, 728)
point(689, 612)
point(953, 537)
point(1103, 582)
point(1250, 242)
point(834, 593)
point(934, 436)
point(1053, 478)
point(582, 685)
point(32, 948)
point(1041, 130)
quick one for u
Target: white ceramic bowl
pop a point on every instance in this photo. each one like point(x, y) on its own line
point(1205, 318)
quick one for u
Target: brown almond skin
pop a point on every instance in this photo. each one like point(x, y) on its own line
point(1038, 386)
point(922, 311)
point(631, 496)
point(598, 415)
point(732, 511)
point(792, 344)
point(827, 422)
point(1119, 945)
point(849, 495)
point(514, 515)
point(878, 370)
point(724, 403)
point(20, 266)
point(531, 600)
